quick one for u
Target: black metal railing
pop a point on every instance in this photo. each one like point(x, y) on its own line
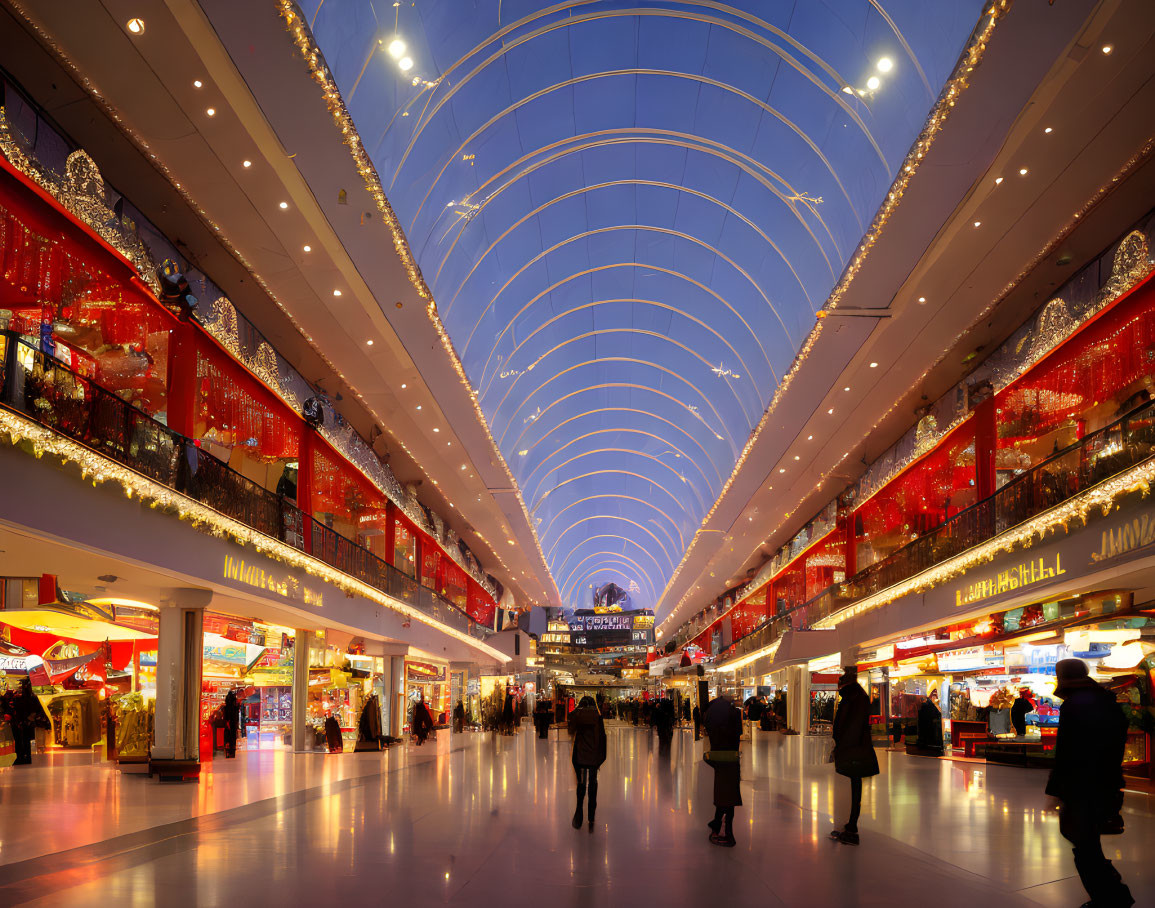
point(44, 390)
point(1125, 443)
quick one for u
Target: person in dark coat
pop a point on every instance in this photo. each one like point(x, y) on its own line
point(459, 717)
point(422, 722)
point(232, 717)
point(1019, 710)
point(542, 718)
point(25, 714)
point(853, 752)
point(507, 724)
point(588, 730)
point(723, 722)
point(697, 715)
point(1087, 778)
point(664, 719)
point(930, 724)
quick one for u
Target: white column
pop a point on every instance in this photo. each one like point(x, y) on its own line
point(180, 652)
point(798, 698)
point(396, 689)
point(302, 640)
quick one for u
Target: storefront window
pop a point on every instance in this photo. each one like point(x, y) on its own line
point(427, 681)
point(404, 547)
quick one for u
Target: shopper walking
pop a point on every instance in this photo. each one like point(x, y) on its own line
point(542, 717)
point(588, 730)
point(930, 724)
point(1022, 705)
point(723, 722)
point(507, 724)
point(25, 715)
point(1088, 778)
point(459, 717)
point(853, 753)
point(422, 721)
point(232, 716)
point(697, 715)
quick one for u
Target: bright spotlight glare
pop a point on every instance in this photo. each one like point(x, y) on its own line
point(396, 48)
point(405, 64)
point(885, 65)
point(873, 82)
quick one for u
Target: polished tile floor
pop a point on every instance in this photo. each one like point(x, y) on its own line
point(478, 820)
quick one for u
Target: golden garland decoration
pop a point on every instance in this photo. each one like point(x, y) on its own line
point(97, 468)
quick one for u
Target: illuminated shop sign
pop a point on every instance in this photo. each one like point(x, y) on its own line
point(1127, 537)
point(287, 586)
point(423, 672)
point(1015, 577)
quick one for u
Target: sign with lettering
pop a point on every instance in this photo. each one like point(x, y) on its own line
point(286, 586)
point(1014, 577)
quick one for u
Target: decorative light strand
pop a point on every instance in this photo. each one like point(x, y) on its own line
point(98, 469)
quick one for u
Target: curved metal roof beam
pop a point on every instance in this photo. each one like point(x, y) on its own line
point(656, 458)
point(628, 539)
point(617, 497)
point(619, 359)
point(533, 508)
point(614, 556)
point(607, 566)
point(581, 520)
point(571, 21)
point(650, 137)
point(630, 410)
point(636, 71)
point(599, 268)
point(634, 386)
point(655, 183)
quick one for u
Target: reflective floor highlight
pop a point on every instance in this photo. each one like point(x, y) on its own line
point(480, 820)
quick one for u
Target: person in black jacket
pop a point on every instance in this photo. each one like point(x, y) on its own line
point(1088, 778)
point(724, 726)
point(1019, 710)
point(697, 715)
point(930, 724)
point(232, 717)
point(588, 730)
point(853, 752)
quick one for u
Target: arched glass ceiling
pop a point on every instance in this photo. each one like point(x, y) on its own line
point(628, 214)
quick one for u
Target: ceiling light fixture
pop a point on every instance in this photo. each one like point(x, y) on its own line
point(1048, 130)
point(396, 48)
point(873, 83)
point(197, 83)
point(336, 293)
point(419, 406)
point(922, 300)
point(874, 365)
point(978, 223)
point(998, 181)
point(284, 205)
point(246, 164)
point(370, 343)
point(808, 438)
point(404, 386)
point(212, 111)
point(1022, 171)
point(885, 64)
point(405, 64)
point(308, 248)
point(847, 388)
point(435, 429)
point(781, 469)
point(1107, 49)
point(136, 26)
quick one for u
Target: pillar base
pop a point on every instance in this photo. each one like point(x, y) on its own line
point(175, 770)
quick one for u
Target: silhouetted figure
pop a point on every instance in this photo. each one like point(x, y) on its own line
point(542, 717)
point(1019, 710)
point(333, 735)
point(232, 715)
point(664, 719)
point(1088, 778)
point(930, 724)
point(697, 715)
point(724, 726)
point(459, 717)
point(588, 730)
point(853, 753)
point(507, 724)
point(422, 722)
point(25, 715)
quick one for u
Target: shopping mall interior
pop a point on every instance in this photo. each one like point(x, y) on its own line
point(735, 418)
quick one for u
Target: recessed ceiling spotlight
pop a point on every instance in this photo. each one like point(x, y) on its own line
point(284, 205)
point(781, 469)
point(978, 223)
point(336, 293)
point(1106, 48)
point(847, 388)
point(922, 300)
point(796, 457)
point(405, 64)
point(135, 26)
point(873, 82)
point(998, 181)
point(435, 429)
point(1048, 130)
point(419, 406)
point(831, 411)
point(308, 248)
point(404, 386)
point(885, 64)
point(396, 48)
point(808, 438)
point(370, 343)
point(874, 365)
point(212, 112)
point(246, 164)
point(463, 466)
point(197, 83)
point(1022, 171)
